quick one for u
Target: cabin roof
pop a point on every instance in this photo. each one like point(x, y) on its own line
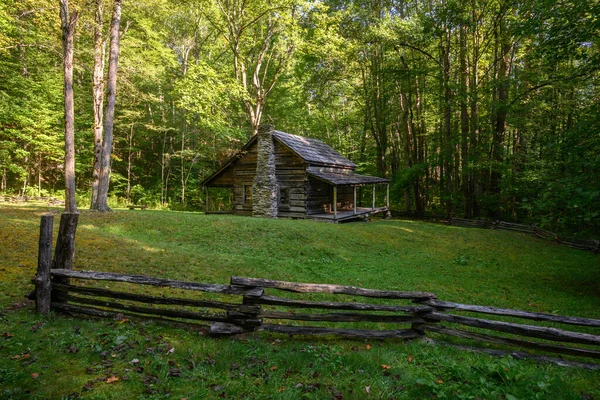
point(338, 179)
point(313, 151)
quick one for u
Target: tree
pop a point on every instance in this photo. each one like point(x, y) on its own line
point(68, 30)
point(98, 97)
point(109, 111)
point(260, 38)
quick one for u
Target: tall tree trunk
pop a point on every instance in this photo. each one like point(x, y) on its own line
point(501, 110)
point(98, 95)
point(474, 126)
point(68, 31)
point(447, 150)
point(464, 123)
point(129, 158)
point(109, 112)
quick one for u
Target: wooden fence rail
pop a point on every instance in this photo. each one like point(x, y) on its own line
point(248, 307)
point(591, 245)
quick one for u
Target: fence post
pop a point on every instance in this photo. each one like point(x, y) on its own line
point(65, 243)
point(42, 281)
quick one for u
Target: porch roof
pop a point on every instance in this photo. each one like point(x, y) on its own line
point(349, 179)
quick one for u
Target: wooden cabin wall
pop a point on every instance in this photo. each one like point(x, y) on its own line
point(345, 198)
point(244, 172)
point(319, 196)
point(225, 178)
point(291, 174)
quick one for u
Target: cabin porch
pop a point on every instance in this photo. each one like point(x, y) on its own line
point(348, 215)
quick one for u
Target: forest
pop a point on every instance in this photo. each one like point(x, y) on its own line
point(479, 108)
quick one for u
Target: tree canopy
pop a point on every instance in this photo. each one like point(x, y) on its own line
point(481, 108)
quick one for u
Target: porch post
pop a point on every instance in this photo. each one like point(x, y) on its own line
point(373, 196)
point(206, 193)
point(387, 196)
point(354, 200)
point(335, 202)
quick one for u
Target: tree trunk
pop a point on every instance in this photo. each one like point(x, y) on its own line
point(474, 126)
point(464, 123)
point(498, 137)
point(98, 95)
point(447, 151)
point(68, 31)
point(109, 112)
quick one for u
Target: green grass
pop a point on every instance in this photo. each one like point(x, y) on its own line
point(76, 357)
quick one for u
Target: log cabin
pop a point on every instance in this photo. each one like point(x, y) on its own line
point(277, 174)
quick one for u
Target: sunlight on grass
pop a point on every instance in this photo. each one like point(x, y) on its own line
point(485, 267)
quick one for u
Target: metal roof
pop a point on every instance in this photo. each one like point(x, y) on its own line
point(313, 150)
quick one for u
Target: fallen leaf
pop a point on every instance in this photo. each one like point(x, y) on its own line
point(7, 335)
point(384, 366)
point(368, 346)
point(122, 321)
point(281, 389)
point(174, 372)
point(439, 382)
point(35, 375)
point(112, 379)
point(410, 358)
point(273, 368)
point(72, 349)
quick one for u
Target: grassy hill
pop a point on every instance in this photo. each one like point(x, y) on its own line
point(474, 266)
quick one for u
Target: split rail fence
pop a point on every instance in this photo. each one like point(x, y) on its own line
point(580, 244)
point(245, 306)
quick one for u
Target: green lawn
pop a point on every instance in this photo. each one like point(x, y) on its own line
point(93, 358)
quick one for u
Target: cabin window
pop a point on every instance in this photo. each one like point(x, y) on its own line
point(284, 196)
point(247, 194)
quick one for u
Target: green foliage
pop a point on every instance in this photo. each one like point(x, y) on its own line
point(156, 361)
point(381, 82)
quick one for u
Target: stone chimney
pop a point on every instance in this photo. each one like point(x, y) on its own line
point(264, 189)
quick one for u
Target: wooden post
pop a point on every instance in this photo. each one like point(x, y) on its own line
point(65, 243)
point(387, 196)
point(354, 200)
point(335, 202)
point(373, 196)
point(206, 193)
point(42, 281)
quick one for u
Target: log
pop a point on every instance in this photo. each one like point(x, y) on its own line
point(65, 242)
point(518, 355)
point(94, 312)
point(518, 329)
point(154, 299)
point(343, 317)
point(222, 328)
point(535, 316)
point(513, 342)
point(348, 333)
point(325, 288)
point(145, 310)
point(279, 301)
point(43, 288)
point(146, 280)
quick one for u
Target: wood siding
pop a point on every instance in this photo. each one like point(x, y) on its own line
point(320, 197)
point(291, 175)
